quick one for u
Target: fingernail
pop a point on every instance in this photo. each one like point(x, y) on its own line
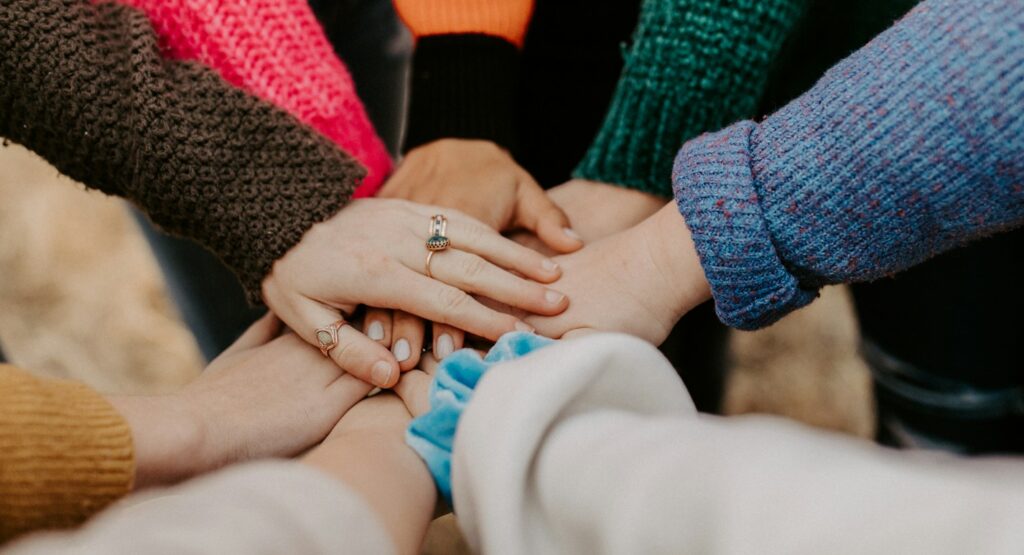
point(549, 265)
point(553, 297)
point(381, 373)
point(522, 326)
point(571, 234)
point(375, 331)
point(401, 350)
point(445, 346)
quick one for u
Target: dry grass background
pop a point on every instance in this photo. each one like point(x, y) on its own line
point(82, 298)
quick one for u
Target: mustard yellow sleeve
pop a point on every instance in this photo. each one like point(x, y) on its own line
point(65, 453)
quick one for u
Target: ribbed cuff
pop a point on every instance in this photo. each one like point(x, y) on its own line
point(714, 188)
point(693, 67)
point(656, 108)
point(463, 86)
point(67, 453)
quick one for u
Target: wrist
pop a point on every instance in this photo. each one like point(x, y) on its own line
point(167, 438)
point(675, 255)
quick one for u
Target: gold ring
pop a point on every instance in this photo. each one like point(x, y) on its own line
point(437, 240)
point(327, 337)
point(430, 254)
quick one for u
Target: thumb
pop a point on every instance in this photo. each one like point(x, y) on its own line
point(536, 212)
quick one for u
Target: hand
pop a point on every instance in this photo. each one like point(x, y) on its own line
point(481, 180)
point(639, 281)
point(373, 252)
point(597, 210)
point(266, 396)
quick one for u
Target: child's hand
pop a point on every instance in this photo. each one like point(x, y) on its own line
point(481, 180)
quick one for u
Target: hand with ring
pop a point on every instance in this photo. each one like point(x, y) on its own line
point(375, 252)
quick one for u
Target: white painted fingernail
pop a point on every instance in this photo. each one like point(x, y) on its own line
point(445, 346)
point(381, 373)
point(549, 265)
point(401, 350)
point(522, 326)
point(553, 297)
point(571, 234)
point(375, 331)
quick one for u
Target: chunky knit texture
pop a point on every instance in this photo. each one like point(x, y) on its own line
point(276, 50)
point(465, 70)
point(694, 66)
point(65, 453)
point(910, 147)
point(85, 87)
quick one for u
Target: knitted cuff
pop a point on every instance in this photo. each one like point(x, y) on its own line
point(714, 188)
point(693, 67)
point(463, 86)
point(67, 453)
point(432, 434)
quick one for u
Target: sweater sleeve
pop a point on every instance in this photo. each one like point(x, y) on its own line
point(84, 86)
point(65, 453)
point(260, 507)
point(592, 446)
point(693, 66)
point(465, 69)
point(275, 50)
point(912, 146)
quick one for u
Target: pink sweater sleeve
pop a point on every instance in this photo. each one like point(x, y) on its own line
point(277, 51)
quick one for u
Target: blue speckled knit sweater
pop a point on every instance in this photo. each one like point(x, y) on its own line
point(910, 147)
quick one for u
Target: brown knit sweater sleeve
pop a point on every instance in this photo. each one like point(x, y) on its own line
point(65, 453)
point(84, 85)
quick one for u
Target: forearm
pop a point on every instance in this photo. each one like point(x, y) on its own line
point(265, 507)
point(289, 63)
point(908, 148)
point(694, 66)
point(374, 462)
point(465, 70)
point(85, 87)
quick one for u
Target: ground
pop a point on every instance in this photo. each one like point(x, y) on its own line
point(82, 298)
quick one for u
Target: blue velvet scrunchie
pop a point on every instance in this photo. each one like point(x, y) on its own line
point(432, 434)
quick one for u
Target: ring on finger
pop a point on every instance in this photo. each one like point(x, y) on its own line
point(327, 337)
point(438, 240)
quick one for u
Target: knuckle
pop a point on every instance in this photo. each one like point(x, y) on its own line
point(453, 299)
point(474, 267)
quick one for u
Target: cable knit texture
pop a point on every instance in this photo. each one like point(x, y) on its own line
point(910, 147)
point(65, 453)
point(694, 66)
point(85, 87)
point(276, 50)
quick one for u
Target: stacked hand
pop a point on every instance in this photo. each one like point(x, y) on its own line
point(373, 252)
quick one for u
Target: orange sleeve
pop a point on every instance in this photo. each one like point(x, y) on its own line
point(65, 453)
point(507, 19)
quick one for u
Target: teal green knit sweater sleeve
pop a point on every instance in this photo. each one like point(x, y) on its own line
point(694, 66)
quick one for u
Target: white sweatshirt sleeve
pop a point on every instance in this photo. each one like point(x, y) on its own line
point(264, 507)
point(593, 446)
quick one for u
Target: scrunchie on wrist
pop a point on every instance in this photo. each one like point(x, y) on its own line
point(432, 434)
